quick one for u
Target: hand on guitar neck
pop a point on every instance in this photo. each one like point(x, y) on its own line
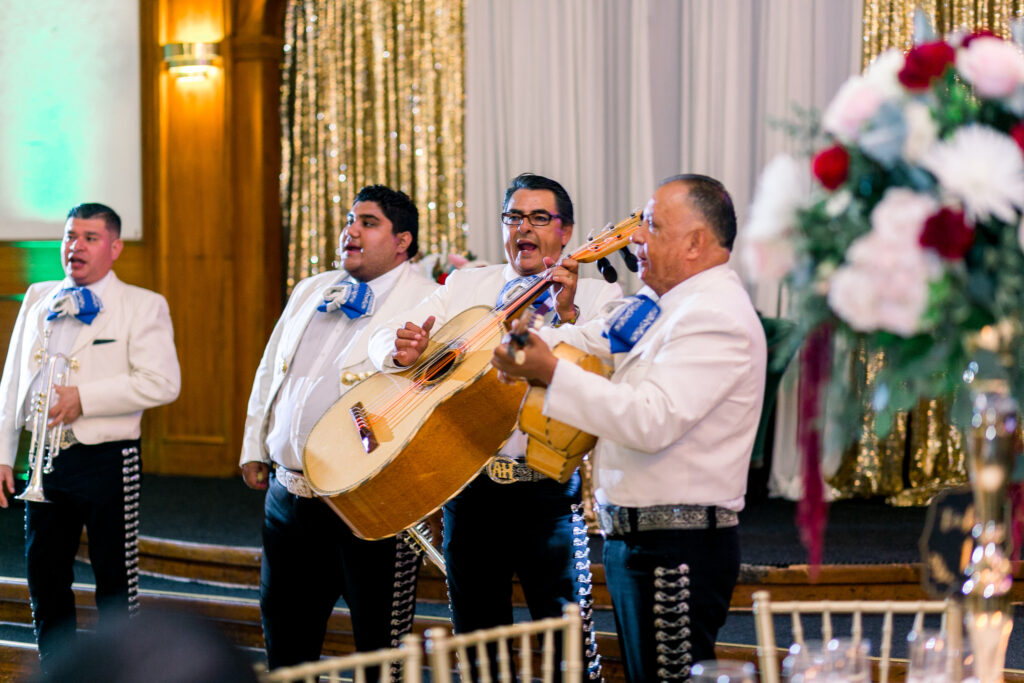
point(565, 273)
point(411, 341)
point(523, 355)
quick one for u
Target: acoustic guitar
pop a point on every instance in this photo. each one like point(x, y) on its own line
point(397, 446)
point(555, 448)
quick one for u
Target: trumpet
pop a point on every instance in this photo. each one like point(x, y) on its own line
point(45, 444)
point(418, 537)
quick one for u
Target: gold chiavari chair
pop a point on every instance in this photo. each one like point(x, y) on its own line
point(402, 664)
point(765, 610)
point(443, 649)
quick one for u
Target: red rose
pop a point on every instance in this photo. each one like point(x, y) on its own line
point(924, 63)
point(947, 233)
point(1017, 133)
point(983, 33)
point(831, 166)
point(441, 278)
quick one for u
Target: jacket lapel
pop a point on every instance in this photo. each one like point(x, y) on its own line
point(112, 300)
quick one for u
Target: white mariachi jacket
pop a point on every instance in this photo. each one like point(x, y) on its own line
point(677, 420)
point(284, 341)
point(475, 287)
point(126, 362)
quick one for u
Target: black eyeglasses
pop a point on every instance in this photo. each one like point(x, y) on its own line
point(537, 218)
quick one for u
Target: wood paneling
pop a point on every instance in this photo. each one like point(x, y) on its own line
point(212, 237)
point(219, 252)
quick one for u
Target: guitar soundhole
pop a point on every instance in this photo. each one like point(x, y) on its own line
point(440, 364)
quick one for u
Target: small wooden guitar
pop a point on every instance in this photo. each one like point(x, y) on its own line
point(397, 446)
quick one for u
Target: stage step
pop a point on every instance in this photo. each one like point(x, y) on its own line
point(238, 566)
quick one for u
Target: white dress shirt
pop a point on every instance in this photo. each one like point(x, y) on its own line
point(677, 420)
point(311, 385)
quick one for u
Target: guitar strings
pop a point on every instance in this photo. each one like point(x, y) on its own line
point(396, 407)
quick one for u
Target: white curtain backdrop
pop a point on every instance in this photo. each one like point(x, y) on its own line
point(610, 96)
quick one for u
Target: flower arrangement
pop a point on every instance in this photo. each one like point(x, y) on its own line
point(439, 266)
point(905, 230)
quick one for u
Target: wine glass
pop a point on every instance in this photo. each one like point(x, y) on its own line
point(723, 671)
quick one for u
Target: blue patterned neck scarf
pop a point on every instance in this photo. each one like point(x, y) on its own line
point(630, 322)
point(354, 299)
point(78, 302)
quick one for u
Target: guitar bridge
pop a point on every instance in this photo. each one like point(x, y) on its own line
point(366, 434)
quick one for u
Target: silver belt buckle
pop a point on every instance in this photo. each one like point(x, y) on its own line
point(68, 439)
point(294, 483)
point(605, 519)
point(501, 470)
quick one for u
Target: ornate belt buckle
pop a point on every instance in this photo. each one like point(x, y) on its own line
point(501, 470)
point(67, 438)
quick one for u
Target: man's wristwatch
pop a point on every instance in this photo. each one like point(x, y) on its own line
point(575, 317)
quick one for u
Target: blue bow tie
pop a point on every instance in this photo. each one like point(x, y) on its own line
point(354, 299)
point(79, 302)
point(630, 322)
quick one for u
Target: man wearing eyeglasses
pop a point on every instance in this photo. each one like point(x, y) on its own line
point(675, 425)
point(527, 524)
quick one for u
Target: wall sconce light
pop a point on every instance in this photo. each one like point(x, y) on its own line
point(191, 61)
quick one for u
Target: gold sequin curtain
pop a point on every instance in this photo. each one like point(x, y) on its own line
point(923, 454)
point(372, 92)
point(890, 23)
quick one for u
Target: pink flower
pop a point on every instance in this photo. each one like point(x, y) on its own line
point(925, 63)
point(948, 233)
point(457, 260)
point(853, 106)
point(884, 283)
point(831, 166)
point(993, 66)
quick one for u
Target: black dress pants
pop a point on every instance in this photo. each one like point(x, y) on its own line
point(95, 487)
point(310, 559)
point(493, 532)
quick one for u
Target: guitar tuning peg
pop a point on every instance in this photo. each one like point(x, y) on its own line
point(630, 259)
point(604, 266)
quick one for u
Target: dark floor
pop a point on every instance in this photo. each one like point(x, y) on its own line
point(224, 511)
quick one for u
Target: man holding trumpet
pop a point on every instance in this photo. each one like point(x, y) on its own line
point(121, 360)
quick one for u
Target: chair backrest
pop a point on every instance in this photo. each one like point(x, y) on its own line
point(501, 641)
point(403, 663)
point(765, 609)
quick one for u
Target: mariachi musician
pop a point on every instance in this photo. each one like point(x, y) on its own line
point(510, 520)
point(675, 424)
point(317, 352)
point(121, 360)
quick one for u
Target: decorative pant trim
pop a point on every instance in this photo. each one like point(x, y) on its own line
point(403, 602)
point(131, 476)
point(584, 583)
point(672, 622)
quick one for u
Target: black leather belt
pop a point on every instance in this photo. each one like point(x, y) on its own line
point(619, 521)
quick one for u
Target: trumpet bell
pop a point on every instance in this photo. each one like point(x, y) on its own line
point(33, 494)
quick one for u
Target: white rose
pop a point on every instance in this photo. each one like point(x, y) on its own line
point(784, 187)
point(921, 131)
point(883, 73)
